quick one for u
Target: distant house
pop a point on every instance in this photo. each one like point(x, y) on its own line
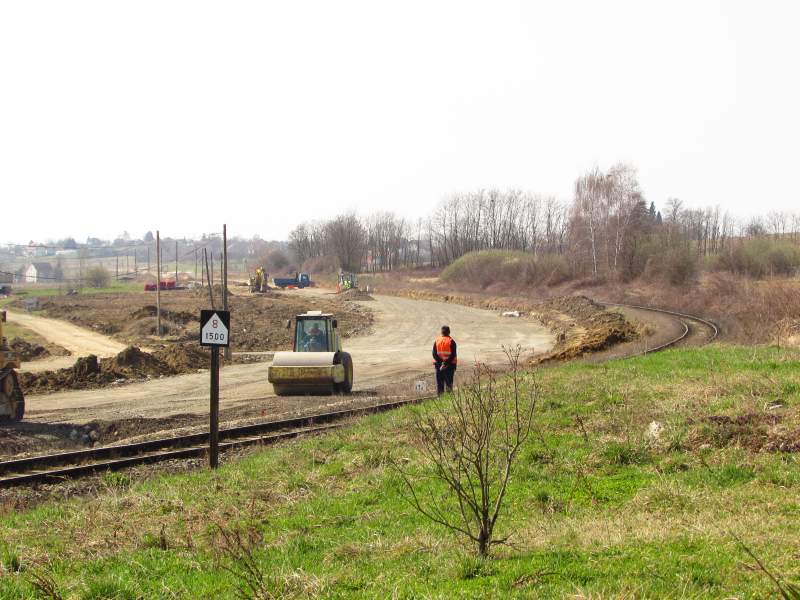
point(39, 272)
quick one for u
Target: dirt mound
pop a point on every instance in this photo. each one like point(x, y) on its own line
point(356, 294)
point(754, 431)
point(582, 326)
point(130, 364)
point(133, 362)
point(86, 372)
point(183, 358)
point(28, 351)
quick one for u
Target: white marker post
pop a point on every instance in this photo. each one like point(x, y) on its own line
point(214, 331)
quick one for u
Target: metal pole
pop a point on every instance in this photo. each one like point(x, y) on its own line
point(158, 283)
point(225, 279)
point(213, 438)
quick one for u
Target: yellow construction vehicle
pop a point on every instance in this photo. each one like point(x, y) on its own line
point(12, 402)
point(317, 365)
point(258, 283)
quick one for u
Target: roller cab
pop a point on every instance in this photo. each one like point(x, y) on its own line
point(317, 365)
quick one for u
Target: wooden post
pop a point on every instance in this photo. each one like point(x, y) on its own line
point(213, 438)
point(211, 252)
point(158, 283)
point(225, 279)
point(208, 274)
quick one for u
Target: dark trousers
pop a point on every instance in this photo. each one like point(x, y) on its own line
point(444, 379)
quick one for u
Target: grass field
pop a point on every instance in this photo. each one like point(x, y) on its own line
point(597, 506)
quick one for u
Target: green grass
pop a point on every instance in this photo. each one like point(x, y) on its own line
point(597, 508)
point(115, 287)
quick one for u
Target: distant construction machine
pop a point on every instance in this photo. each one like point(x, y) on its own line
point(317, 365)
point(258, 283)
point(347, 281)
point(12, 402)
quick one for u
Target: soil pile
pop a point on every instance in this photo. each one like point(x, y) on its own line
point(183, 358)
point(356, 294)
point(582, 326)
point(27, 351)
point(130, 364)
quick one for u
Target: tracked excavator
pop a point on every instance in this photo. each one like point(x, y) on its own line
point(12, 402)
point(317, 365)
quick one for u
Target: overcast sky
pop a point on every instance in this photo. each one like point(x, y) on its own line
point(183, 115)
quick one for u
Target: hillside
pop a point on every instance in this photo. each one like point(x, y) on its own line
point(639, 478)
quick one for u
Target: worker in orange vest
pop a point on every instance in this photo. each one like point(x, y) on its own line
point(445, 360)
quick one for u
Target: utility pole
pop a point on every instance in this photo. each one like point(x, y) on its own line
point(195, 264)
point(225, 279)
point(208, 275)
point(211, 252)
point(116, 276)
point(148, 260)
point(158, 283)
point(176, 263)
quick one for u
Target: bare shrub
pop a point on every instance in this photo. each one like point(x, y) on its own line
point(325, 265)
point(44, 584)
point(98, 277)
point(276, 261)
point(470, 440)
point(677, 265)
point(238, 548)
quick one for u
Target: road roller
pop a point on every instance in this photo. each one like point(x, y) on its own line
point(12, 402)
point(317, 366)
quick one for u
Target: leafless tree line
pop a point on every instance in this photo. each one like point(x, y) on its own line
point(608, 229)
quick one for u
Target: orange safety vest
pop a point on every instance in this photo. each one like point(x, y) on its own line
point(444, 348)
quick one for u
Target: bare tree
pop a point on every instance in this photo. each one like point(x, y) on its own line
point(471, 439)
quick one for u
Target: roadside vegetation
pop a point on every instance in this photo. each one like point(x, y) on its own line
point(637, 480)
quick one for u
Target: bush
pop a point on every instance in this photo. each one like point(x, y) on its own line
point(761, 257)
point(276, 261)
point(98, 277)
point(678, 265)
point(486, 267)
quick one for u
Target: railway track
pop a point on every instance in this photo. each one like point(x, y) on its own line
point(66, 465)
point(694, 330)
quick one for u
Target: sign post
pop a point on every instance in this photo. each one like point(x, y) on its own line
point(215, 326)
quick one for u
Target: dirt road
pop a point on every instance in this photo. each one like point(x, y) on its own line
point(76, 340)
point(386, 362)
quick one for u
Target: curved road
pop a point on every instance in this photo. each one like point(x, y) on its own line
point(387, 362)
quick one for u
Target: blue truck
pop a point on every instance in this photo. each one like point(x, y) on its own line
point(300, 280)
